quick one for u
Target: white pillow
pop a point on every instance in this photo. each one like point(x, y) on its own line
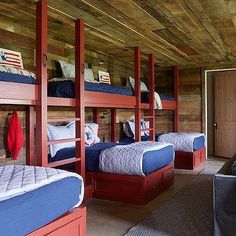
point(67, 132)
point(145, 125)
point(60, 132)
point(131, 129)
point(94, 128)
point(68, 70)
point(143, 86)
point(90, 134)
point(89, 76)
point(89, 127)
point(126, 129)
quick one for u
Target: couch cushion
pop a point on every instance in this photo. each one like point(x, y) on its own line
point(234, 168)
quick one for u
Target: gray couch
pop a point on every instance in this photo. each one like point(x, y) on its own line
point(224, 200)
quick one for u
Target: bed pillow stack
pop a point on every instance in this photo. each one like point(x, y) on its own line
point(67, 132)
point(60, 132)
point(68, 72)
point(130, 82)
point(129, 128)
point(12, 69)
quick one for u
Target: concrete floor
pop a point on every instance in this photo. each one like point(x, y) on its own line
point(107, 218)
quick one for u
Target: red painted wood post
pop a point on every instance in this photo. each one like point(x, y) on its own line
point(41, 74)
point(79, 95)
point(137, 76)
point(151, 96)
point(95, 116)
point(113, 125)
point(30, 160)
point(176, 96)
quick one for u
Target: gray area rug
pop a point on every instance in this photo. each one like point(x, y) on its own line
point(187, 213)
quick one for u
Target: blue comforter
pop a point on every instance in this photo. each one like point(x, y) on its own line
point(16, 78)
point(152, 160)
point(145, 97)
point(66, 89)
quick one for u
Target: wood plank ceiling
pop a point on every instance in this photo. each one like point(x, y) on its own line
point(187, 33)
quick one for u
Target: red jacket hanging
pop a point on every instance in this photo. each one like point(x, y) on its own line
point(14, 135)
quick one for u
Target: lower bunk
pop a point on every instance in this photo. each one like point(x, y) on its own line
point(190, 160)
point(71, 223)
point(190, 150)
point(41, 201)
point(134, 173)
point(130, 188)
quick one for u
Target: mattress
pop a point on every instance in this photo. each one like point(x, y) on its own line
point(198, 142)
point(16, 78)
point(66, 89)
point(152, 160)
point(187, 142)
point(24, 213)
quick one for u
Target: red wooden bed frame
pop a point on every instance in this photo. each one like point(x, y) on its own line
point(71, 223)
point(130, 188)
point(190, 160)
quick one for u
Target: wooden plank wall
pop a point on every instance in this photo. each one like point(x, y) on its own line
point(164, 86)
point(190, 100)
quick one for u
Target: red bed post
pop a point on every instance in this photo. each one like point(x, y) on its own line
point(113, 124)
point(30, 136)
point(41, 74)
point(79, 95)
point(176, 96)
point(151, 97)
point(95, 116)
point(137, 75)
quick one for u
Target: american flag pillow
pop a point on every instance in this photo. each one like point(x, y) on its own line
point(104, 77)
point(11, 58)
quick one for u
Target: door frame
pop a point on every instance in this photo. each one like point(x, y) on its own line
point(205, 98)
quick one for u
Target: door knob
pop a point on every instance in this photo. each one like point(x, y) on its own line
point(215, 125)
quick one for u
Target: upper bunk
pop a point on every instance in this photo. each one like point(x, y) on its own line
point(28, 94)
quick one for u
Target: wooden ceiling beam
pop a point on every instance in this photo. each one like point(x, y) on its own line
point(199, 13)
point(113, 22)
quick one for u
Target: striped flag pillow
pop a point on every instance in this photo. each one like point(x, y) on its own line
point(11, 58)
point(104, 77)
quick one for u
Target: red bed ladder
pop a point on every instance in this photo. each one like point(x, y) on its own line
point(139, 106)
point(42, 106)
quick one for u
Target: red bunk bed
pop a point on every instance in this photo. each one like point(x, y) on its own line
point(183, 159)
point(73, 222)
point(133, 188)
point(108, 185)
